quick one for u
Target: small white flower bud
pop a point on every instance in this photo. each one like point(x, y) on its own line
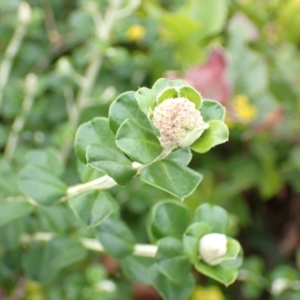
point(31, 83)
point(279, 285)
point(24, 12)
point(179, 122)
point(64, 66)
point(212, 247)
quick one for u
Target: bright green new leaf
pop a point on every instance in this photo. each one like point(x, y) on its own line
point(93, 207)
point(126, 106)
point(140, 144)
point(111, 161)
point(191, 239)
point(215, 216)
point(146, 100)
point(191, 94)
point(168, 219)
point(212, 110)
point(224, 272)
point(164, 83)
point(171, 177)
point(96, 131)
point(13, 209)
point(169, 289)
point(171, 259)
point(116, 237)
point(168, 93)
point(41, 185)
point(179, 27)
point(211, 14)
point(233, 249)
point(216, 134)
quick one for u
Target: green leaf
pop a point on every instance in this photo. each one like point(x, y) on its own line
point(95, 273)
point(116, 237)
point(43, 262)
point(168, 219)
point(216, 134)
point(39, 178)
point(224, 272)
point(13, 209)
point(146, 99)
point(96, 131)
point(233, 249)
point(182, 156)
point(191, 239)
point(10, 234)
point(215, 216)
point(41, 185)
point(168, 289)
point(36, 264)
point(168, 93)
point(212, 110)
point(191, 94)
point(137, 142)
point(211, 14)
point(88, 173)
point(8, 180)
point(93, 207)
point(179, 27)
point(47, 158)
point(171, 177)
point(64, 252)
point(56, 218)
point(171, 259)
point(136, 269)
point(164, 83)
point(127, 107)
point(111, 161)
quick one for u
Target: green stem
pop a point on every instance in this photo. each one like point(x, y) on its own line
point(14, 45)
point(106, 182)
point(103, 27)
point(18, 124)
point(145, 250)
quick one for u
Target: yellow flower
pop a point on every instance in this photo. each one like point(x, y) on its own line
point(207, 293)
point(245, 112)
point(136, 32)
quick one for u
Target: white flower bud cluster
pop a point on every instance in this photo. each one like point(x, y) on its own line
point(212, 247)
point(176, 119)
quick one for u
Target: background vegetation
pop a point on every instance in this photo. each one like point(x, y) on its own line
point(63, 62)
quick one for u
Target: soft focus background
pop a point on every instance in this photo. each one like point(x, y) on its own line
point(63, 62)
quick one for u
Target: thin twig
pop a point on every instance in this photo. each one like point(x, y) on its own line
point(18, 124)
point(103, 27)
point(24, 16)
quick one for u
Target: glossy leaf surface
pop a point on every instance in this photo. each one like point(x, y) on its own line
point(172, 177)
point(93, 207)
point(137, 142)
point(168, 219)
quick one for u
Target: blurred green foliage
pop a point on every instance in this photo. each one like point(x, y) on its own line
point(84, 53)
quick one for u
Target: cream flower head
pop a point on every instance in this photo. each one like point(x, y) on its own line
point(179, 122)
